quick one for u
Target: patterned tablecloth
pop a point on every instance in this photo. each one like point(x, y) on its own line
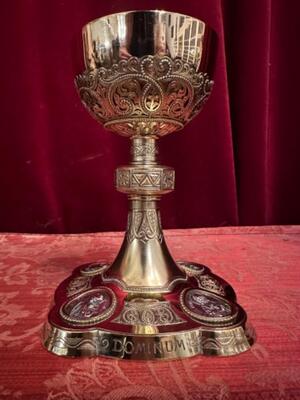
point(262, 264)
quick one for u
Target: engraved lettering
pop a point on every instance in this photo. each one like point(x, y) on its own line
point(157, 348)
point(141, 348)
point(128, 347)
point(169, 346)
point(117, 345)
point(179, 343)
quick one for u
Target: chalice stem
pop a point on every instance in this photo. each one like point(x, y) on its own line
point(144, 263)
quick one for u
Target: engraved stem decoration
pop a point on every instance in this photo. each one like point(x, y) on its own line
point(146, 77)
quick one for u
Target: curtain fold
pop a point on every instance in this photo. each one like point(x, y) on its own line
point(248, 56)
point(263, 59)
point(236, 163)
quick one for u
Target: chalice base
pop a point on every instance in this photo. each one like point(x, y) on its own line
point(93, 317)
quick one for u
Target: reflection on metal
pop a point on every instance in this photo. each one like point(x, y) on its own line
point(150, 96)
point(181, 344)
point(108, 40)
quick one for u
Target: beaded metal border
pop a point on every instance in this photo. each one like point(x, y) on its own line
point(92, 320)
point(211, 320)
point(96, 271)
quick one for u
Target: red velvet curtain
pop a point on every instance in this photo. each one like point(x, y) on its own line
point(236, 163)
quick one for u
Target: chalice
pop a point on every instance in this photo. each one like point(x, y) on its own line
point(146, 76)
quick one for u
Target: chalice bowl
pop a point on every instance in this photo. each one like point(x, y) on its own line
point(146, 76)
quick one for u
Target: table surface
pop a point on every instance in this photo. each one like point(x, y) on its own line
point(262, 264)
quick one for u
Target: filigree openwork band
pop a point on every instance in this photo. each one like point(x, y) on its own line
point(152, 95)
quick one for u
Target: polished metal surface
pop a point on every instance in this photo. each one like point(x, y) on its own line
point(145, 77)
point(147, 345)
point(117, 37)
point(145, 326)
point(144, 263)
point(150, 96)
point(146, 71)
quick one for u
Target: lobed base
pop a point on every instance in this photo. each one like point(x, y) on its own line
point(93, 317)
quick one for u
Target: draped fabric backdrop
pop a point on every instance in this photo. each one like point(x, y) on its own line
point(236, 163)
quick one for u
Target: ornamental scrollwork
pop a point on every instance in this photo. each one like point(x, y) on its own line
point(150, 95)
point(144, 225)
point(123, 178)
point(210, 284)
point(147, 312)
point(78, 284)
point(168, 179)
point(144, 149)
